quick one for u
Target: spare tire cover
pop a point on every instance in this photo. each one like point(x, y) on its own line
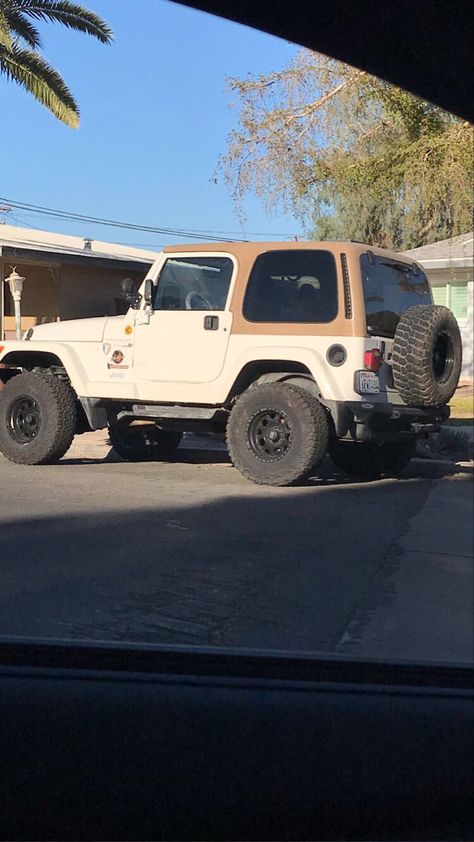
point(427, 356)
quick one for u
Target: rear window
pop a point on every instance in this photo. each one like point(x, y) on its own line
point(390, 288)
point(292, 286)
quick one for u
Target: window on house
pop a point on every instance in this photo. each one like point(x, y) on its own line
point(458, 302)
point(453, 296)
point(440, 295)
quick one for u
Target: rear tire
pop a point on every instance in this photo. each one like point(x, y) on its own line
point(277, 434)
point(143, 442)
point(38, 418)
point(371, 460)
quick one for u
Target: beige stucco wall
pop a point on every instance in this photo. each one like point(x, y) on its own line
point(40, 300)
point(54, 292)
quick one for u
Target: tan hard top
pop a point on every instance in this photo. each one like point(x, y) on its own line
point(245, 255)
point(246, 250)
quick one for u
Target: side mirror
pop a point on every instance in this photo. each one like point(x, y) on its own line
point(130, 294)
point(148, 291)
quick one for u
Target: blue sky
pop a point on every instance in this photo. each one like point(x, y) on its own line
point(154, 119)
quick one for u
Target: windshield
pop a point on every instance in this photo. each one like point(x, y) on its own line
point(194, 283)
point(390, 288)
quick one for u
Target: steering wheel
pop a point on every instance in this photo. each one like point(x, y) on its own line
point(195, 298)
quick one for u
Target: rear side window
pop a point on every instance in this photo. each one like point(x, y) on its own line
point(292, 286)
point(390, 288)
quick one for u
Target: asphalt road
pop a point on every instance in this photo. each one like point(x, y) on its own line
point(192, 553)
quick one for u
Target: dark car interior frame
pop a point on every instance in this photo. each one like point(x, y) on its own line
point(136, 742)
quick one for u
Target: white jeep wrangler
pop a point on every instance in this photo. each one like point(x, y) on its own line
point(292, 350)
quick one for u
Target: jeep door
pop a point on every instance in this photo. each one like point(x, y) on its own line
point(186, 337)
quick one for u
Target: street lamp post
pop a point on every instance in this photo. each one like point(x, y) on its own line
point(15, 282)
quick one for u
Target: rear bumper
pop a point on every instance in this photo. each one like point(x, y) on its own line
point(365, 421)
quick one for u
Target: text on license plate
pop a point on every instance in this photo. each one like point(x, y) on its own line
point(368, 382)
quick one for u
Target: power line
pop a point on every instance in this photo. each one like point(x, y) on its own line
point(112, 223)
point(243, 234)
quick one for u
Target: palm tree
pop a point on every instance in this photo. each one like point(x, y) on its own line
point(20, 41)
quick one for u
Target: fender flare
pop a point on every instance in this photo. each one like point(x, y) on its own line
point(17, 355)
point(304, 381)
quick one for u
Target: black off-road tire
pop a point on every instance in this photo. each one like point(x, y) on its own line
point(36, 395)
point(371, 460)
point(427, 356)
point(278, 410)
point(143, 443)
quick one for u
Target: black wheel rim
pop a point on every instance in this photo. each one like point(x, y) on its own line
point(443, 358)
point(270, 435)
point(24, 419)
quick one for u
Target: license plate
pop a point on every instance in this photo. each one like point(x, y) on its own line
point(368, 382)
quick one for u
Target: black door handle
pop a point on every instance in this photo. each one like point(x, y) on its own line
point(211, 322)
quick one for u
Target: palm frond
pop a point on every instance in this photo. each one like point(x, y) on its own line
point(20, 26)
point(33, 73)
point(5, 37)
point(71, 15)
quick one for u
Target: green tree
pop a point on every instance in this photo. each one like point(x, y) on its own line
point(353, 156)
point(20, 42)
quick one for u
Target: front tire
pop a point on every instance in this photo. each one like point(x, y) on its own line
point(143, 442)
point(371, 460)
point(277, 434)
point(38, 418)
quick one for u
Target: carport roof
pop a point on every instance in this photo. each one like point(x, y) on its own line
point(23, 243)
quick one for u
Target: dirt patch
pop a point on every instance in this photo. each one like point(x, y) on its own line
point(462, 403)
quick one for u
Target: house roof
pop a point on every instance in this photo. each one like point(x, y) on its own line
point(15, 240)
point(456, 251)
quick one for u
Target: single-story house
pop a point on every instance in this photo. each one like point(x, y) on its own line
point(449, 267)
point(66, 277)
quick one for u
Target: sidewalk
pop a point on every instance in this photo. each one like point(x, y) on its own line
point(433, 559)
point(90, 446)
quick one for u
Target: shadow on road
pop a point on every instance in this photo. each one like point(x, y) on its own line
point(327, 473)
point(276, 568)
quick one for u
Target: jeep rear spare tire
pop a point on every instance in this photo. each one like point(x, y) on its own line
point(37, 418)
point(427, 356)
point(277, 434)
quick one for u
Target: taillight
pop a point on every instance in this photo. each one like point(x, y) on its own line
point(372, 359)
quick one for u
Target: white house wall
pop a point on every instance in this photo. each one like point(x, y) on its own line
point(439, 277)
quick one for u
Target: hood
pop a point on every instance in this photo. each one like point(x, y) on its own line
point(75, 330)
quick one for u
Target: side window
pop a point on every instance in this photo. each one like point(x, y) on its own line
point(292, 286)
point(194, 283)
